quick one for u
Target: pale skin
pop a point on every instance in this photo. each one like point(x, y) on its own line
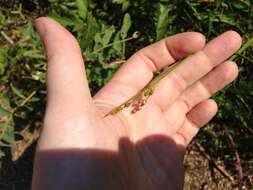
point(80, 149)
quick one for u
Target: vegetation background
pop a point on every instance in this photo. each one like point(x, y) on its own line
point(109, 31)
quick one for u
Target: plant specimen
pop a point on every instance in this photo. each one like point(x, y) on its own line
point(139, 100)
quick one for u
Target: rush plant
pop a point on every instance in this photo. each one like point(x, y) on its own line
point(139, 100)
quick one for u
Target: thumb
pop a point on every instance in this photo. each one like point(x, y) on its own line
point(66, 80)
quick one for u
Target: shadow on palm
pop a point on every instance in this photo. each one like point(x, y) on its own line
point(148, 164)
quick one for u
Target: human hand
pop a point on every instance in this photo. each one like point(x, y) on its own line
point(81, 149)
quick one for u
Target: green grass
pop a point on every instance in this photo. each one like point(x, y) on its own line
point(102, 29)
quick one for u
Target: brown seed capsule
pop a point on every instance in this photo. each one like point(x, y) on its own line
point(136, 109)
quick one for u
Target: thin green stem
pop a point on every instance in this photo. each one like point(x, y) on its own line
point(162, 75)
point(27, 99)
point(245, 57)
point(147, 91)
point(111, 44)
point(246, 45)
point(141, 97)
point(134, 36)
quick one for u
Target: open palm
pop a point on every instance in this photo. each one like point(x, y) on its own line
point(81, 149)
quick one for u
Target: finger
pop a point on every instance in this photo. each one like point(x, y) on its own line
point(196, 118)
point(194, 67)
point(138, 70)
point(214, 81)
point(66, 81)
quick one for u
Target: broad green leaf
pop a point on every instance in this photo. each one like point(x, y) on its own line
point(125, 26)
point(101, 58)
point(39, 75)
point(34, 54)
point(162, 22)
point(226, 19)
point(5, 102)
point(108, 35)
point(1, 155)
point(82, 6)
point(3, 59)
point(124, 3)
point(2, 18)
point(4, 145)
point(4, 112)
point(119, 1)
point(242, 5)
point(117, 46)
point(87, 40)
point(98, 39)
point(63, 20)
point(9, 133)
point(29, 29)
point(17, 92)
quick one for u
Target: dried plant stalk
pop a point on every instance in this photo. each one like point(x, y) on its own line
point(140, 99)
